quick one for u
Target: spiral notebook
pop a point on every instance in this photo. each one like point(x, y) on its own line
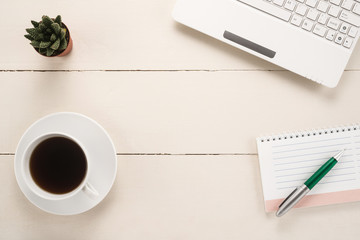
point(288, 160)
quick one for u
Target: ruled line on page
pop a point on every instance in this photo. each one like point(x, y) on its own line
point(322, 183)
point(289, 175)
point(336, 168)
point(302, 149)
point(307, 173)
point(352, 154)
point(308, 154)
point(344, 180)
point(309, 160)
point(287, 169)
point(324, 140)
point(325, 177)
point(312, 166)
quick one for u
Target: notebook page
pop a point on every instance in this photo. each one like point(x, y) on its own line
point(287, 161)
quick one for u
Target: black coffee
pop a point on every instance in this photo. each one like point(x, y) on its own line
point(58, 165)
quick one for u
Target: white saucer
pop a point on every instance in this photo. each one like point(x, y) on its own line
point(101, 153)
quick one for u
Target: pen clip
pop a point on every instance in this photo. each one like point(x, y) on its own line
point(292, 193)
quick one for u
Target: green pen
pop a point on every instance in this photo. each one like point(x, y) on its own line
point(302, 190)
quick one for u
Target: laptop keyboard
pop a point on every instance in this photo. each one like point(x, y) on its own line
point(337, 21)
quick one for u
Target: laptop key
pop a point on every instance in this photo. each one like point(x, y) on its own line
point(330, 35)
point(301, 9)
point(312, 14)
point(290, 5)
point(344, 28)
point(307, 25)
point(323, 6)
point(279, 2)
point(347, 43)
point(311, 3)
point(336, 2)
point(334, 11)
point(296, 20)
point(353, 31)
point(323, 18)
point(350, 18)
point(339, 38)
point(347, 4)
point(356, 8)
point(333, 23)
point(319, 30)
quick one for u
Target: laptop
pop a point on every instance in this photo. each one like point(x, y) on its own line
point(313, 38)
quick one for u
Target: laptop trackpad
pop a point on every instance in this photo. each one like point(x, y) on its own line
point(249, 44)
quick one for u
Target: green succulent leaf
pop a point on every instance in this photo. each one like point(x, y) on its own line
point(49, 52)
point(47, 38)
point(28, 36)
point(63, 45)
point(34, 23)
point(58, 19)
point(42, 51)
point(47, 21)
point(56, 28)
point(35, 43)
point(56, 44)
point(62, 33)
point(53, 37)
point(49, 30)
point(42, 27)
point(39, 37)
point(44, 44)
point(32, 32)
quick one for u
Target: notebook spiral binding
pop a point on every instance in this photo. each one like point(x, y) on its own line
point(313, 132)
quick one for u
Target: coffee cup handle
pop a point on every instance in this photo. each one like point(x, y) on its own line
point(90, 191)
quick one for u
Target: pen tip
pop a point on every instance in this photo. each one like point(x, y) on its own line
point(339, 155)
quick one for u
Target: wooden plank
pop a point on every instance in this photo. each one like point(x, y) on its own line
point(178, 112)
point(113, 34)
point(175, 197)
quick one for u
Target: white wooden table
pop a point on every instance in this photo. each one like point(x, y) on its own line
point(183, 111)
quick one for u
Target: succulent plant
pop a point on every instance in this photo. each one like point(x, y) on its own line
point(49, 36)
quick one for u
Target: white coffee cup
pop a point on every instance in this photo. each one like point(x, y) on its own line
point(84, 186)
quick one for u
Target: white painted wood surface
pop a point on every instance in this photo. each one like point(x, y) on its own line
point(176, 197)
point(178, 112)
point(170, 90)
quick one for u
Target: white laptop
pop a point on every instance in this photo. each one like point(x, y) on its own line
point(313, 38)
